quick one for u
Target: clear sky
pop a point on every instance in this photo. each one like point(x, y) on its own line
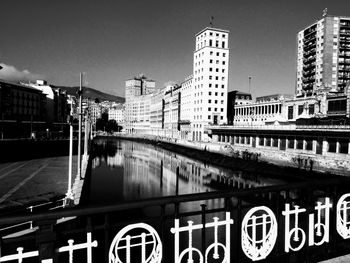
point(112, 41)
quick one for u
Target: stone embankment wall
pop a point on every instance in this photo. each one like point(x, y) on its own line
point(331, 163)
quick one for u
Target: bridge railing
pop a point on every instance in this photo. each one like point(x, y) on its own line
point(302, 221)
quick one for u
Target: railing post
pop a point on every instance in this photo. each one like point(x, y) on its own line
point(203, 230)
point(45, 239)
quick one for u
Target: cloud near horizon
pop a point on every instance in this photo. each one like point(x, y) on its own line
point(11, 73)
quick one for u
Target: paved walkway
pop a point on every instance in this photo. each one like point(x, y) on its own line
point(33, 181)
point(343, 259)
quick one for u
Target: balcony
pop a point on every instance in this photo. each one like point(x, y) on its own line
point(309, 46)
point(344, 32)
point(344, 54)
point(344, 46)
point(309, 59)
point(308, 80)
point(344, 68)
point(344, 39)
point(308, 86)
point(310, 38)
point(309, 53)
point(309, 31)
point(309, 73)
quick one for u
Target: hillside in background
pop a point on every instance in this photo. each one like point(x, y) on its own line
point(93, 94)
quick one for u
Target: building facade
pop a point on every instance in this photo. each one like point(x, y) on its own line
point(136, 105)
point(117, 113)
point(210, 80)
point(235, 98)
point(186, 108)
point(323, 55)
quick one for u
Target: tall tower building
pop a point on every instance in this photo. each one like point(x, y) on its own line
point(210, 80)
point(134, 88)
point(323, 55)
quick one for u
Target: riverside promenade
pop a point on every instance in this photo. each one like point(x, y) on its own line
point(34, 181)
point(38, 181)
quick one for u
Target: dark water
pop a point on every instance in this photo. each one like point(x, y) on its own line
point(126, 170)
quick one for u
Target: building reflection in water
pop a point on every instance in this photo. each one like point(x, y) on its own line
point(126, 170)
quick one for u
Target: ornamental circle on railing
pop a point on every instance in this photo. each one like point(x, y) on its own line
point(136, 243)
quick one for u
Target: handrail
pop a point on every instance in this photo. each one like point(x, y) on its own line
point(90, 210)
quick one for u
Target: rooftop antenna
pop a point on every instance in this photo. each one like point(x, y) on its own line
point(324, 12)
point(250, 80)
point(211, 21)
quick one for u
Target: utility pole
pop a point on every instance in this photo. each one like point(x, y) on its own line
point(80, 124)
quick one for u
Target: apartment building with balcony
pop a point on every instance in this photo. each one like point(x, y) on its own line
point(323, 55)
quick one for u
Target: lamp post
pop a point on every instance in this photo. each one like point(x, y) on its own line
point(69, 194)
point(80, 93)
point(2, 113)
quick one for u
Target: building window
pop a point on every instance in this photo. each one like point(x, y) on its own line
point(344, 146)
point(268, 142)
point(290, 143)
point(311, 109)
point(274, 142)
point(217, 70)
point(210, 43)
point(210, 77)
point(209, 85)
point(209, 109)
point(211, 61)
point(300, 109)
point(221, 117)
point(332, 145)
point(216, 78)
point(224, 54)
point(309, 144)
point(217, 43)
point(290, 112)
point(216, 85)
point(209, 92)
point(211, 52)
point(210, 69)
point(337, 106)
point(209, 101)
point(209, 117)
point(300, 144)
point(223, 44)
point(224, 62)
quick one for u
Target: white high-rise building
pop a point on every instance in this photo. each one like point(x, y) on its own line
point(210, 81)
point(323, 55)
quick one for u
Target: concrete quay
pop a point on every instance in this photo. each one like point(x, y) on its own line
point(335, 165)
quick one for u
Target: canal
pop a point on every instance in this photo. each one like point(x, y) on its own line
point(125, 170)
